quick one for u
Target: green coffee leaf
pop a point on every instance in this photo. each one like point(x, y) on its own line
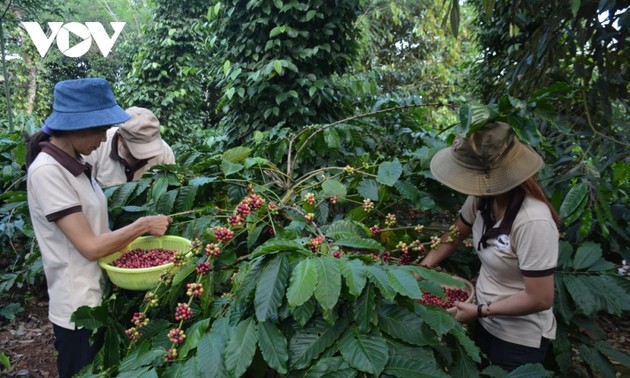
point(273, 346)
point(408, 367)
point(572, 201)
point(360, 243)
point(586, 255)
point(389, 172)
point(271, 287)
point(241, 347)
point(309, 342)
point(328, 286)
point(366, 353)
point(354, 273)
point(334, 188)
point(303, 282)
point(404, 283)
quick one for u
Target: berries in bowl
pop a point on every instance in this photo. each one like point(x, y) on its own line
point(140, 265)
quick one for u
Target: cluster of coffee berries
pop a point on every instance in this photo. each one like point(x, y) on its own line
point(419, 228)
point(404, 259)
point(452, 234)
point(337, 253)
point(404, 248)
point(151, 299)
point(194, 289)
point(144, 258)
point(315, 243)
point(171, 355)
point(417, 245)
point(375, 230)
point(213, 250)
point(177, 336)
point(310, 217)
point(349, 169)
point(133, 334)
point(254, 201)
point(223, 234)
point(368, 205)
point(180, 258)
point(333, 200)
point(452, 295)
point(273, 208)
point(196, 246)
point(203, 268)
point(140, 319)
point(435, 242)
point(248, 205)
point(183, 312)
point(390, 220)
point(166, 277)
point(309, 198)
point(243, 210)
point(236, 220)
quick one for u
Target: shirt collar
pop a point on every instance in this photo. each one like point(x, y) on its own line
point(73, 166)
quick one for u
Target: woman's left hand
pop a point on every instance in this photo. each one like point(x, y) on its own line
point(466, 312)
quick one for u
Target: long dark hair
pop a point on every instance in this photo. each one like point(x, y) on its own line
point(532, 188)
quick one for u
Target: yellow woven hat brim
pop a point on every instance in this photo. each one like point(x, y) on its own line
point(520, 163)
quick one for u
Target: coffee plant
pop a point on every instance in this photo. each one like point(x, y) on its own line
point(317, 279)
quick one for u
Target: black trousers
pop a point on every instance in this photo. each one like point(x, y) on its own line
point(74, 349)
point(507, 355)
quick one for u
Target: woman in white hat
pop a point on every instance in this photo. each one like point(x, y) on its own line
point(69, 211)
point(515, 235)
point(131, 149)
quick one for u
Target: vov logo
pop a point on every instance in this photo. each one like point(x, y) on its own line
point(61, 32)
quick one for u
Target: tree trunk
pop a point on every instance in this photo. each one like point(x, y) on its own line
point(32, 82)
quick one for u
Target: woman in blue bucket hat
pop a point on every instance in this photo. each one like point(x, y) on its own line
point(69, 211)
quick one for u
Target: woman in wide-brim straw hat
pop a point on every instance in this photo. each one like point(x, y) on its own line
point(515, 235)
point(69, 211)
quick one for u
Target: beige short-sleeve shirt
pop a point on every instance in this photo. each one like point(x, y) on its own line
point(58, 185)
point(108, 168)
point(531, 249)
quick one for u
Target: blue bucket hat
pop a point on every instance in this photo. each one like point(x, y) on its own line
point(84, 103)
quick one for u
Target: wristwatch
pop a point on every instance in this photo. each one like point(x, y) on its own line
point(480, 313)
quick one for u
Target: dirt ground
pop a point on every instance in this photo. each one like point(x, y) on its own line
point(28, 341)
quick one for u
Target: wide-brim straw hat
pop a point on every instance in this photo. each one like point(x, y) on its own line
point(84, 103)
point(490, 161)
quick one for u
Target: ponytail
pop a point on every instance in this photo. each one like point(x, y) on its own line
point(33, 148)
